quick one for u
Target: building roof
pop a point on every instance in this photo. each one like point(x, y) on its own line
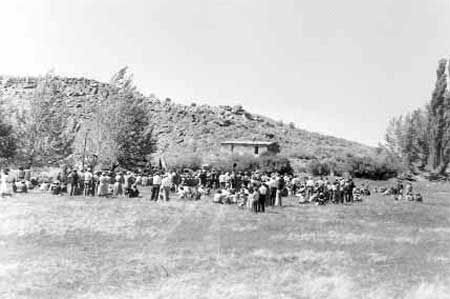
point(247, 142)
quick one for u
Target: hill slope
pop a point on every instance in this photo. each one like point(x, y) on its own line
point(180, 128)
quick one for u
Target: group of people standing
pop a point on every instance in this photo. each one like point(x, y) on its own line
point(255, 191)
point(102, 183)
point(268, 188)
point(10, 184)
point(259, 190)
point(323, 190)
point(110, 183)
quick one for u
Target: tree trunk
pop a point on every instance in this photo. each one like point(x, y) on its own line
point(445, 160)
point(442, 168)
point(434, 159)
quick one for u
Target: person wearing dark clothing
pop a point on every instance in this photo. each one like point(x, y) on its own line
point(255, 202)
point(237, 182)
point(281, 184)
point(134, 192)
point(214, 177)
point(55, 188)
point(202, 178)
point(335, 192)
point(74, 179)
point(352, 187)
point(320, 199)
point(348, 190)
point(399, 187)
point(21, 174)
point(176, 181)
point(263, 192)
point(27, 176)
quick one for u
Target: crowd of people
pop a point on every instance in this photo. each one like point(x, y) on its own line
point(254, 190)
point(400, 191)
point(268, 189)
point(107, 183)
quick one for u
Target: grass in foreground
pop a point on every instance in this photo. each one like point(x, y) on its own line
point(61, 247)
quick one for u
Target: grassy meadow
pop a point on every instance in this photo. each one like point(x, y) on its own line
point(61, 247)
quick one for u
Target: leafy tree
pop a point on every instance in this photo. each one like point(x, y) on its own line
point(47, 128)
point(421, 139)
point(134, 133)
point(407, 138)
point(95, 137)
point(119, 131)
point(417, 133)
point(123, 80)
point(439, 122)
point(394, 140)
point(8, 143)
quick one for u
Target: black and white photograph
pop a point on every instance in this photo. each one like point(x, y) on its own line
point(224, 149)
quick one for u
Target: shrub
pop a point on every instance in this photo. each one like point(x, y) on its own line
point(8, 142)
point(188, 160)
point(301, 153)
point(271, 163)
point(379, 167)
point(318, 168)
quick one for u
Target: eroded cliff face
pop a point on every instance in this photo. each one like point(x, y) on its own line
point(180, 129)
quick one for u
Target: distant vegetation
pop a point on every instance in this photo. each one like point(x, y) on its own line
point(55, 120)
point(379, 166)
point(8, 144)
point(421, 139)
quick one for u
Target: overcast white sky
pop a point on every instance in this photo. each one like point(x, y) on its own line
point(337, 67)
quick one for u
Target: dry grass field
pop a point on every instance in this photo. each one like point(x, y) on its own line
point(61, 247)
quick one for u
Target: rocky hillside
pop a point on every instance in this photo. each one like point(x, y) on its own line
point(183, 129)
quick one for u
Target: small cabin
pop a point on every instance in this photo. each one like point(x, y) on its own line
point(255, 148)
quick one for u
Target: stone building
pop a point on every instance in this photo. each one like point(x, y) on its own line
point(252, 147)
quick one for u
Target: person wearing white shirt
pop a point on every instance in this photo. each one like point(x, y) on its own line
point(309, 188)
point(222, 180)
point(166, 184)
point(156, 186)
point(263, 190)
point(87, 179)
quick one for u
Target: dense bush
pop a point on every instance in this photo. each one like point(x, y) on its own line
point(317, 168)
point(271, 163)
point(379, 166)
point(188, 160)
point(8, 143)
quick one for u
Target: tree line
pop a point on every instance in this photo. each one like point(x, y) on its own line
point(421, 139)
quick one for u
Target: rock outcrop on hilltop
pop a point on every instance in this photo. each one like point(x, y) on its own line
point(181, 129)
